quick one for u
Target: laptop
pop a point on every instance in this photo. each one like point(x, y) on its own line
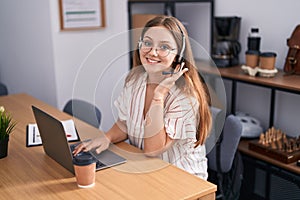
point(56, 145)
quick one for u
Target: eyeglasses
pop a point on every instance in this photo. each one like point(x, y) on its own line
point(162, 50)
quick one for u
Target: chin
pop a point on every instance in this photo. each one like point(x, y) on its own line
point(152, 69)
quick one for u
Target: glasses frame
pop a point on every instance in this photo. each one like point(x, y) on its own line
point(140, 43)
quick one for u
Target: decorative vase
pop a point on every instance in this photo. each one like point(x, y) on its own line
point(4, 147)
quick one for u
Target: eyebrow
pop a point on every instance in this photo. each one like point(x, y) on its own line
point(162, 41)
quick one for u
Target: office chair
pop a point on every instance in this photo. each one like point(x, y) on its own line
point(3, 89)
point(84, 111)
point(224, 157)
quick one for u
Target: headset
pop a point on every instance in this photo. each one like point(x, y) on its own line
point(180, 57)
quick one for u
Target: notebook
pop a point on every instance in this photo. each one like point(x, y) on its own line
point(56, 146)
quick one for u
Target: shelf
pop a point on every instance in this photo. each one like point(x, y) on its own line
point(280, 82)
point(290, 83)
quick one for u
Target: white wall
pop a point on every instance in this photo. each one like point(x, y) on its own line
point(26, 49)
point(82, 59)
point(39, 59)
point(275, 20)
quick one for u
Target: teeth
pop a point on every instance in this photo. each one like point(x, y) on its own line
point(152, 61)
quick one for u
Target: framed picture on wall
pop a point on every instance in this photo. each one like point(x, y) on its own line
point(81, 14)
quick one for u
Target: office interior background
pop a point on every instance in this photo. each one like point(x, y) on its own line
point(37, 58)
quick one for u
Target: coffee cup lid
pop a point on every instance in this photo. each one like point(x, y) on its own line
point(268, 54)
point(83, 160)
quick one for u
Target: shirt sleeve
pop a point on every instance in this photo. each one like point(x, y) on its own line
point(181, 118)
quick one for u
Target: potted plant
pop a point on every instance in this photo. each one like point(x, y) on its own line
point(7, 125)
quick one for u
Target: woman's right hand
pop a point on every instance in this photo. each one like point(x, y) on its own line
point(100, 144)
point(164, 86)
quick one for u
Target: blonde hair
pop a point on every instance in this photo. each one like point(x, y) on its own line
point(190, 82)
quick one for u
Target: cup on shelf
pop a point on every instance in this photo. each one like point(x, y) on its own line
point(267, 60)
point(85, 169)
point(252, 58)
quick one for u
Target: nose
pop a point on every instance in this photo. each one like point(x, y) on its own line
point(153, 51)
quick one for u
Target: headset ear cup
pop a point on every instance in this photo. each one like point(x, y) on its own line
point(139, 43)
point(180, 57)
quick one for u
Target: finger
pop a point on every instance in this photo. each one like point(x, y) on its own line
point(83, 146)
point(177, 68)
point(182, 65)
point(77, 149)
point(99, 149)
point(180, 73)
point(184, 70)
point(77, 146)
point(87, 148)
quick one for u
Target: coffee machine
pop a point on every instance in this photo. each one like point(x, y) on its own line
point(226, 45)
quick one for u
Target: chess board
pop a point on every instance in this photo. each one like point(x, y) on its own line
point(275, 144)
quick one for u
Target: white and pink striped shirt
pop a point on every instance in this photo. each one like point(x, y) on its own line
point(180, 121)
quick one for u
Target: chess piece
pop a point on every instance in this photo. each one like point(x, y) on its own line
point(261, 139)
point(273, 145)
point(289, 147)
point(279, 144)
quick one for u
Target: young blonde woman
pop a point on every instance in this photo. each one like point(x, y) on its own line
point(163, 108)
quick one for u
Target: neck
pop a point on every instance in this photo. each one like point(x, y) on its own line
point(155, 78)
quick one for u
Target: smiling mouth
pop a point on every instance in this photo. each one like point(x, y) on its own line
point(149, 60)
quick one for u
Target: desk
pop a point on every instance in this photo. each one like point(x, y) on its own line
point(27, 173)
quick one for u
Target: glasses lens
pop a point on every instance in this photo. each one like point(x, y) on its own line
point(146, 47)
point(163, 52)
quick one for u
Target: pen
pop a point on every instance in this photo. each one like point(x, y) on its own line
point(33, 140)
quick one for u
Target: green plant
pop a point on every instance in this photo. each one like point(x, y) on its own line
point(7, 125)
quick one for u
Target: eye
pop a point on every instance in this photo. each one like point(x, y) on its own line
point(147, 43)
point(164, 47)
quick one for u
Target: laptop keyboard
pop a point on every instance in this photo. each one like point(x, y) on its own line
point(99, 165)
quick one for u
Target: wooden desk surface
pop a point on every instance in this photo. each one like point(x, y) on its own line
point(27, 173)
point(280, 80)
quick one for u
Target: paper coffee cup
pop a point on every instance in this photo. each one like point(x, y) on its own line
point(252, 58)
point(267, 60)
point(85, 169)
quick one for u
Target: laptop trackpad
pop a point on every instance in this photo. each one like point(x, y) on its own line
point(108, 158)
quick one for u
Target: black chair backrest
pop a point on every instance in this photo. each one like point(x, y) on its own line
point(84, 111)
